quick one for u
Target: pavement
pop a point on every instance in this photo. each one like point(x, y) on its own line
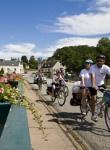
point(55, 138)
point(96, 135)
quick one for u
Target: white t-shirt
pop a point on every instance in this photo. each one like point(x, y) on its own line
point(100, 73)
point(87, 79)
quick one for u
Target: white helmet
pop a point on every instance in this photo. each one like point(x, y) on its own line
point(89, 61)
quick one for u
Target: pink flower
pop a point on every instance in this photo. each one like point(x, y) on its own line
point(1, 90)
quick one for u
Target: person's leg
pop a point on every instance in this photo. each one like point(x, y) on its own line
point(83, 101)
point(92, 102)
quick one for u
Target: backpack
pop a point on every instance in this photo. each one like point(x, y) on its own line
point(75, 100)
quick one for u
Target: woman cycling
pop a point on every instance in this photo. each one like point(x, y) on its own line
point(85, 79)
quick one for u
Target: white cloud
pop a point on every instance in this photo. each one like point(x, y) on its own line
point(77, 41)
point(17, 50)
point(84, 24)
point(14, 50)
point(102, 2)
point(73, 41)
point(95, 22)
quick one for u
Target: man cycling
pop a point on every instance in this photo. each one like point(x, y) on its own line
point(98, 73)
point(39, 76)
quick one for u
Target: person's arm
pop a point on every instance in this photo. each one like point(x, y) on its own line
point(61, 78)
point(81, 77)
point(93, 79)
point(108, 71)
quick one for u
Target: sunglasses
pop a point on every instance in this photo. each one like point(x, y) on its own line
point(100, 60)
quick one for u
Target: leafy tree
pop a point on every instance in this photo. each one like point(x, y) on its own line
point(103, 47)
point(33, 63)
point(24, 60)
point(1, 71)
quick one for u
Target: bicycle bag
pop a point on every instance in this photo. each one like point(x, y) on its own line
point(75, 102)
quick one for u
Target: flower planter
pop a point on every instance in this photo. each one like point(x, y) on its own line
point(14, 131)
point(4, 110)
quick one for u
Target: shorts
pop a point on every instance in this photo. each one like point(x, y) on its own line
point(93, 91)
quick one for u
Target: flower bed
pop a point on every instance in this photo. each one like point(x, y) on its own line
point(7, 93)
point(13, 96)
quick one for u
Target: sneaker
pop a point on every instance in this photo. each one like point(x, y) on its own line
point(83, 113)
point(94, 118)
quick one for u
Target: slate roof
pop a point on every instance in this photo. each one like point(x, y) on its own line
point(49, 64)
point(9, 63)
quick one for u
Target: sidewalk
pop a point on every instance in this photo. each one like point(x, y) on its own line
point(56, 139)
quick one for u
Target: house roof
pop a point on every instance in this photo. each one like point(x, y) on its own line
point(49, 64)
point(9, 63)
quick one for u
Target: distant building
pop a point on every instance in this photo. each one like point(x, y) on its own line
point(50, 67)
point(11, 65)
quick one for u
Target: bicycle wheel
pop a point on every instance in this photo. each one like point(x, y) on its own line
point(61, 97)
point(66, 90)
point(107, 116)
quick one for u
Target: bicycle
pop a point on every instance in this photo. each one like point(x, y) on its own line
point(102, 106)
point(40, 81)
point(59, 92)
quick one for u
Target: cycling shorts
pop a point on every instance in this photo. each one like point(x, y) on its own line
point(93, 91)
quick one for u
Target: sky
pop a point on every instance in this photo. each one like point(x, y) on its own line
point(39, 27)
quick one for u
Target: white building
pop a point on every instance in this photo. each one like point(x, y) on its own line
point(11, 65)
point(50, 67)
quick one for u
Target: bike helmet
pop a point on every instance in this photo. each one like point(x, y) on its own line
point(89, 61)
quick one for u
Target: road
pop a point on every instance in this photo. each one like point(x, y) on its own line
point(95, 134)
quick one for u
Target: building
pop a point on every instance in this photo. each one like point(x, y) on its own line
point(11, 66)
point(50, 67)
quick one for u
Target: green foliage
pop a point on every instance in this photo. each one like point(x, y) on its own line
point(103, 47)
point(1, 72)
point(33, 63)
point(73, 57)
point(24, 60)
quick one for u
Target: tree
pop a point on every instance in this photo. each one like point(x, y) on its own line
point(1, 71)
point(24, 60)
point(103, 47)
point(33, 63)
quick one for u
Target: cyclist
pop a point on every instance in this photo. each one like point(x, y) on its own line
point(60, 78)
point(85, 83)
point(39, 76)
point(98, 72)
point(57, 79)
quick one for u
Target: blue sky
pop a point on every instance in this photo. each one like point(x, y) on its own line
point(39, 27)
